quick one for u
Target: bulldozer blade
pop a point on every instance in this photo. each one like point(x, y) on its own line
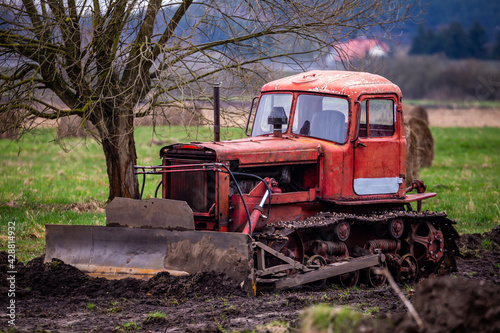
point(121, 252)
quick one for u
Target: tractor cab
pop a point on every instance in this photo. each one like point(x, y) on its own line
point(356, 118)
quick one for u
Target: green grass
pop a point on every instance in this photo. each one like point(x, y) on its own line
point(155, 315)
point(114, 308)
point(90, 306)
point(129, 326)
point(324, 318)
point(466, 177)
point(41, 183)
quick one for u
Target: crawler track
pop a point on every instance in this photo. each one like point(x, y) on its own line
point(415, 244)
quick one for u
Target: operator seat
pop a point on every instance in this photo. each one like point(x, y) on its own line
point(328, 125)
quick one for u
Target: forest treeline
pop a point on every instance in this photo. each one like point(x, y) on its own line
point(456, 42)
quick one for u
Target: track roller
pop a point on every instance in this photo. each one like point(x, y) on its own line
point(408, 270)
point(371, 278)
point(316, 261)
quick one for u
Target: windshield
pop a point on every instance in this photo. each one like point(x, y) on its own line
point(323, 117)
point(266, 104)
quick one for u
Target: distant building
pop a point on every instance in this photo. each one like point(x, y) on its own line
point(359, 48)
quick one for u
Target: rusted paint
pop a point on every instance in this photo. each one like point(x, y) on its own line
point(267, 151)
point(222, 204)
point(378, 199)
point(96, 249)
point(285, 206)
point(338, 165)
point(334, 82)
point(151, 213)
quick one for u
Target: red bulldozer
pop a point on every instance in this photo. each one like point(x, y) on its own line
point(316, 192)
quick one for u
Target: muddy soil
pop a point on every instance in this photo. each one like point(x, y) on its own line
point(56, 297)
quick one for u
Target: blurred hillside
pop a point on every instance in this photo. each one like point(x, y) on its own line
point(439, 14)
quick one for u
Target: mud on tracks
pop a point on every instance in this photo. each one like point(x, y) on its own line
point(56, 297)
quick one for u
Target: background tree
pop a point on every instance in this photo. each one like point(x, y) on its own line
point(426, 41)
point(477, 38)
point(456, 41)
point(111, 61)
point(453, 41)
point(495, 52)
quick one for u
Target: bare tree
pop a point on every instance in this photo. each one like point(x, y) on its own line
point(110, 61)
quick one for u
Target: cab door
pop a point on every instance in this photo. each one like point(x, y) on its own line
point(377, 148)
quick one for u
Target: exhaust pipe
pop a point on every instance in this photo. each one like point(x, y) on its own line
point(217, 111)
point(277, 119)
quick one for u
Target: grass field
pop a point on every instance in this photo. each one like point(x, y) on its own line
point(466, 177)
point(41, 183)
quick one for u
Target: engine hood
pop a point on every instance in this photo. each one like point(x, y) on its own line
point(250, 152)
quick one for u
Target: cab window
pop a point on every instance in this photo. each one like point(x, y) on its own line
point(376, 118)
point(322, 117)
point(266, 103)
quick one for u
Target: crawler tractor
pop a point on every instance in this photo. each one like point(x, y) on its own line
point(316, 192)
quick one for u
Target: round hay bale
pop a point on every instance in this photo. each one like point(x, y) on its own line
point(425, 140)
point(10, 122)
point(73, 127)
point(419, 112)
point(412, 156)
point(172, 116)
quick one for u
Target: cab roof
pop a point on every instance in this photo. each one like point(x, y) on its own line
point(334, 82)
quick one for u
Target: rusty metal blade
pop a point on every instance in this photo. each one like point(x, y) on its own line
point(143, 252)
point(152, 213)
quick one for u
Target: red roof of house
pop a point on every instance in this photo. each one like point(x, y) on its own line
point(359, 48)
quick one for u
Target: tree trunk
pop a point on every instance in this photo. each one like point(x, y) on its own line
point(119, 148)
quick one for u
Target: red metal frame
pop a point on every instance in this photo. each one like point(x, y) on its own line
point(329, 168)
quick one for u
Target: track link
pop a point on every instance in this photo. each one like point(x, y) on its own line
point(416, 244)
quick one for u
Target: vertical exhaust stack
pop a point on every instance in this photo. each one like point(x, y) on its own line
point(217, 111)
point(277, 119)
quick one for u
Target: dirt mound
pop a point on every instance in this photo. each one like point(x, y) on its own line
point(448, 304)
point(200, 284)
point(472, 245)
point(57, 278)
point(54, 278)
point(494, 235)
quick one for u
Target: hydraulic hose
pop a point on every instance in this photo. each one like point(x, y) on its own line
point(265, 183)
point(239, 191)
